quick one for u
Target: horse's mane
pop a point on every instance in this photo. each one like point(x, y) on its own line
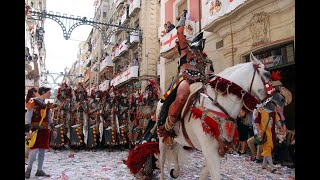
point(233, 69)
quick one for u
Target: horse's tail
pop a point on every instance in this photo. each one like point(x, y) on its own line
point(139, 155)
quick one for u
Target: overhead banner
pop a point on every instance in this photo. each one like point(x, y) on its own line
point(213, 9)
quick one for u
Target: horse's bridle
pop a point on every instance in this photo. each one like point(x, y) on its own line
point(270, 90)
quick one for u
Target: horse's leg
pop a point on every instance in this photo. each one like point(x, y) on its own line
point(174, 173)
point(210, 152)
point(204, 173)
point(162, 158)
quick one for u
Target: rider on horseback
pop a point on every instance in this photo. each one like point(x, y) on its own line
point(191, 68)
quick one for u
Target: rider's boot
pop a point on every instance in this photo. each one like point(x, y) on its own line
point(182, 20)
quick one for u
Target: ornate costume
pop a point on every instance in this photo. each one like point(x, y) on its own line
point(43, 137)
point(191, 69)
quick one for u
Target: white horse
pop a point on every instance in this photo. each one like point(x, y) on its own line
point(252, 78)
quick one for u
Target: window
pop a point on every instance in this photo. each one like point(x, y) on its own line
point(104, 14)
point(274, 57)
point(181, 7)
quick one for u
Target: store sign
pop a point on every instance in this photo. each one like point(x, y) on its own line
point(213, 9)
point(126, 75)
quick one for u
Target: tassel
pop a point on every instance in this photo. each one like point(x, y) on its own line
point(276, 76)
point(138, 156)
point(211, 127)
point(235, 136)
point(197, 113)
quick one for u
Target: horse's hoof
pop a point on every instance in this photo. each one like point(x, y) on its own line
point(171, 174)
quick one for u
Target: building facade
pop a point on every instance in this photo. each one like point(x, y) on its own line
point(264, 27)
point(234, 29)
point(35, 52)
point(128, 55)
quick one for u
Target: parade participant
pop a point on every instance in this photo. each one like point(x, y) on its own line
point(243, 129)
point(33, 118)
point(191, 69)
point(62, 119)
point(255, 150)
point(93, 121)
point(266, 122)
point(32, 93)
point(143, 169)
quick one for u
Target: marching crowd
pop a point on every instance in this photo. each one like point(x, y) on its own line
point(106, 120)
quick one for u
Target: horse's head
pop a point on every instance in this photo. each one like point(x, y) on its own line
point(279, 99)
point(246, 83)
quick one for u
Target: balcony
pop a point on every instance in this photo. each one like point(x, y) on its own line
point(123, 47)
point(125, 18)
point(167, 42)
point(114, 54)
point(87, 76)
point(126, 75)
point(134, 7)
point(118, 30)
point(106, 62)
point(28, 82)
point(29, 66)
point(104, 85)
point(112, 40)
point(118, 3)
point(134, 38)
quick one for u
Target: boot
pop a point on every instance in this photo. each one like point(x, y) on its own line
point(182, 20)
point(27, 173)
point(42, 173)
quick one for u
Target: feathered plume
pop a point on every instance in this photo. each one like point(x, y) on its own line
point(275, 76)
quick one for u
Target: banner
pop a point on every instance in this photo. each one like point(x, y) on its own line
point(125, 75)
point(213, 9)
point(168, 41)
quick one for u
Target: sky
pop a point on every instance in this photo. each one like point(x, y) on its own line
point(61, 53)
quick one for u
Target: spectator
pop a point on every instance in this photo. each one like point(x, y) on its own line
point(135, 62)
point(255, 151)
point(164, 32)
point(243, 128)
point(170, 26)
point(265, 122)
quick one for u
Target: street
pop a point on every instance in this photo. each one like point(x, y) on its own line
point(87, 165)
